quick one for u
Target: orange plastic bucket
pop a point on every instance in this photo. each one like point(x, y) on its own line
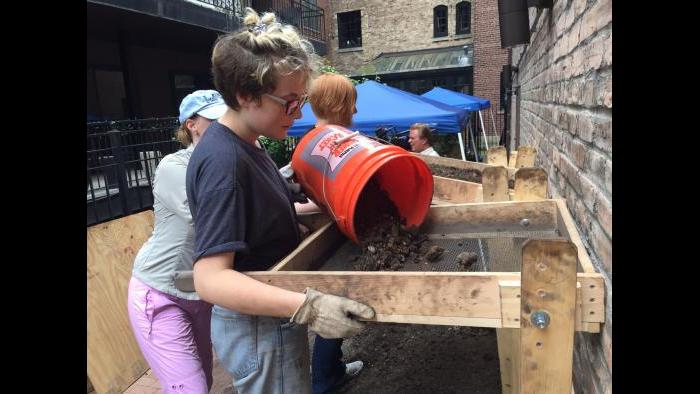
point(333, 165)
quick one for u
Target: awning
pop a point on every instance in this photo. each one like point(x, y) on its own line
point(381, 105)
point(456, 99)
point(420, 60)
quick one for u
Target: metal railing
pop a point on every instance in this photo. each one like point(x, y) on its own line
point(121, 159)
point(306, 16)
point(494, 129)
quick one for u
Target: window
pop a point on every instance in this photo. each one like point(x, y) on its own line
point(311, 15)
point(106, 95)
point(464, 17)
point(184, 82)
point(349, 29)
point(440, 21)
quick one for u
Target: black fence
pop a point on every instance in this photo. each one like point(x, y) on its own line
point(306, 16)
point(121, 159)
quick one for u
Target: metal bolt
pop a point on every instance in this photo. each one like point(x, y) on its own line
point(525, 222)
point(540, 319)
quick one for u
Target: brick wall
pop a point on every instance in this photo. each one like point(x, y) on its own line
point(565, 78)
point(489, 58)
point(391, 26)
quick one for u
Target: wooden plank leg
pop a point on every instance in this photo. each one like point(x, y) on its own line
point(509, 338)
point(548, 304)
point(495, 188)
point(530, 184)
point(497, 156)
point(494, 183)
point(508, 349)
point(526, 157)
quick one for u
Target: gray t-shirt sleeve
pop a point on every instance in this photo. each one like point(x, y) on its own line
point(169, 187)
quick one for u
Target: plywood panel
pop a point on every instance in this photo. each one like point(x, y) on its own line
point(114, 358)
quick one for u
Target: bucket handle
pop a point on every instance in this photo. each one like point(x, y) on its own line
point(347, 137)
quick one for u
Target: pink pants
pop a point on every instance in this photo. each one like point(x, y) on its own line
point(174, 336)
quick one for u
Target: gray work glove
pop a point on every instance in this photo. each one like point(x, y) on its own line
point(294, 188)
point(287, 171)
point(331, 316)
point(297, 194)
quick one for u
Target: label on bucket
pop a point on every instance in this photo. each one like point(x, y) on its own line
point(327, 156)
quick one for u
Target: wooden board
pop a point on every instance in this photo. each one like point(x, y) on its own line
point(510, 303)
point(513, 158)
point(494, 216)
point(114, 358)
point(526, 157)
point(592, 297)
point(497, 156)
point(585, 321)
point(572, 233)
point(509, 359)
point(311, 251)
point(449, 298)
point(530, 184)
point(548, 284)
point(456, 191)
point(451, 294)
point(494, 181)
point(456, 163)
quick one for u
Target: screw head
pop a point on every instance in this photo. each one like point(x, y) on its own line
point(540, 319)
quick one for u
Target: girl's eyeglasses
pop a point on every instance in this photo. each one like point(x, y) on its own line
point(290, 106)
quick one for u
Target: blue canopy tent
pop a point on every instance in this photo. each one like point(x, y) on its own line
point(379, 105)
point(456, 99)
point(464, 101)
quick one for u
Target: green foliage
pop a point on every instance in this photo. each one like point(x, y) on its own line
point(330, 68)
point(278, 150)
point(447, 145)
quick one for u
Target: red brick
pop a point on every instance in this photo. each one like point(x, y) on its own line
point(578, 153)
point(602, 246)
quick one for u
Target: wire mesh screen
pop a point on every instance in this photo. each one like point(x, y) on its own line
point(496, 252)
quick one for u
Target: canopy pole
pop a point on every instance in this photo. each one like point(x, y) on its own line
point(461, 145)
point(483, 130)
point(471, 133)
point(493, 122)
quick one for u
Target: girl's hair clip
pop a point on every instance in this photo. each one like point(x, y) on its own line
point(259, 28)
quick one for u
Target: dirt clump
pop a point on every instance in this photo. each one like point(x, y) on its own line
point(434, 252)
point(465, 174)
point(466, 259)
point(386, 244)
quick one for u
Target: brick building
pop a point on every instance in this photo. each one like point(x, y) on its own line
point(564, 109)
point(419, 44)
point(143, 57)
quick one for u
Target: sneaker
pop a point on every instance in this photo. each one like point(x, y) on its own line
point(353, 368)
